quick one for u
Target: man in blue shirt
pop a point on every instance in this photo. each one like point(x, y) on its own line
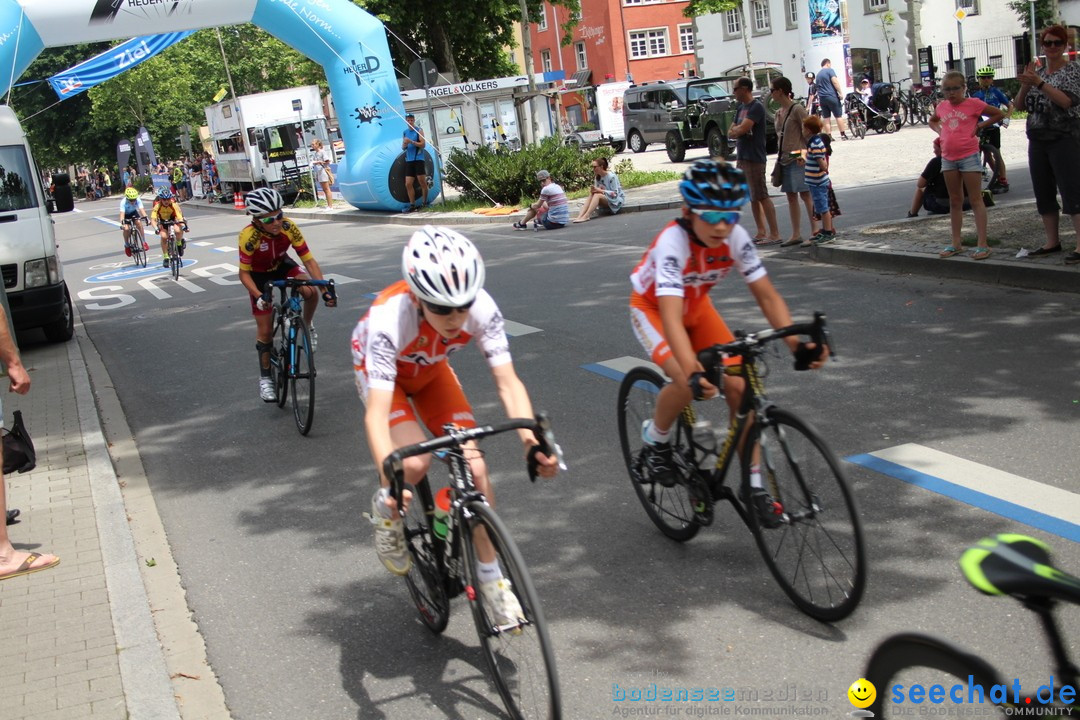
point(829, 92)
point(413, 143)
point(992, 135)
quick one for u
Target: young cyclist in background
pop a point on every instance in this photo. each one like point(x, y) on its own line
point(673, 317)
point(994, 97)
point(167, 210)
point(264, 256)
point(131, 210)
point(400, 355)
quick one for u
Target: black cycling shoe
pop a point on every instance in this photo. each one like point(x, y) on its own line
point(769, 512)
point(657, 464)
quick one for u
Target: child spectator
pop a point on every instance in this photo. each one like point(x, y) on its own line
point(816, 162)
point(957, 120)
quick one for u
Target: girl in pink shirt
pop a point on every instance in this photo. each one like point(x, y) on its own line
point(958, 120)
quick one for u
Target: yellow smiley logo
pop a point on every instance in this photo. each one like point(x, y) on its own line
point(862, 693)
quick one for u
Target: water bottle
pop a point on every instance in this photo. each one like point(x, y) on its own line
point(705, 439)
point(294, 303)
point(442, 513)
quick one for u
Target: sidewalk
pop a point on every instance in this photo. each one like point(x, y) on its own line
point(79, 640)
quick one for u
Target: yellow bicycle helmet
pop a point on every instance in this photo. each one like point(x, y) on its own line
point(985, 71)
point(131, 194)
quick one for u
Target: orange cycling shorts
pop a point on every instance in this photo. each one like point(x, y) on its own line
point(436, 396)
point(703, 324)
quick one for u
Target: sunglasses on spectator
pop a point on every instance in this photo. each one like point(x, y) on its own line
point(270, 220)
point(445, 309)
point(713, 217)
point(1053, 43)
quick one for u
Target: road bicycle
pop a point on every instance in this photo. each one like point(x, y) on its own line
point(811, 539)
point(173, 251)
point(136, 241)
point(1008, 564)
point(292, 360)
point(991, 164)
point(444, 565)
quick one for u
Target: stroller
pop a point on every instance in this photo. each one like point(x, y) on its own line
point(881, 113)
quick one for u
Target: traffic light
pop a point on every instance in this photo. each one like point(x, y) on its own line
point(184, 138)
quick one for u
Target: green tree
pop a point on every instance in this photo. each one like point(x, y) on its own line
point(1043, 12)
point(696, 8)
point(466, 39)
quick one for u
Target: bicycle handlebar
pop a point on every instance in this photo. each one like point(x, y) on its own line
point(746, 343)
point(331, 289)
point(394, 467)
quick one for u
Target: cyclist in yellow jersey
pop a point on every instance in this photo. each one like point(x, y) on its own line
point(166, 208)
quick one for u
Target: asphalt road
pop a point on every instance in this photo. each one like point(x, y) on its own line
point(300, 619)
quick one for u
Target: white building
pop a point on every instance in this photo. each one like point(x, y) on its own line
point(885, 35)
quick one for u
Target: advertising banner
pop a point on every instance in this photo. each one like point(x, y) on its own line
point(144, 150)
point(609, 100)
point(123, 153)
point(111, 63)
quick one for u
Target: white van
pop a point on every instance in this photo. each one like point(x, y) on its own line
point(31, 270)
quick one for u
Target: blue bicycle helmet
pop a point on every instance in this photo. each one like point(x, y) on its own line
point(708, 184)
point(164, 194)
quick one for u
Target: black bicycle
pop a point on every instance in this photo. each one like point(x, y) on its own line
point(444, 565)
point(136, 240)
point(811, 538)
point(174, 251)
point(1009, 564)
point(292, 361)
point(991, 164)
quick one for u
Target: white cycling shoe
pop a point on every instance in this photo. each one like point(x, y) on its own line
point(504, 605)
point(266, 390)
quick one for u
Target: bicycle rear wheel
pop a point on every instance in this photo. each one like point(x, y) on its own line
point(991, 165)
point(425, 578)
point(302, 378)
point(521, 659)
point(816, 552)
point(670, 509)
point(912, 659)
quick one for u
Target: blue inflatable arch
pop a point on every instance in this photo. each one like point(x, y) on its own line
point(349, 43)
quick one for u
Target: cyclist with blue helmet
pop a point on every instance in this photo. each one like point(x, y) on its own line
point(670, 310)
point(166, 212)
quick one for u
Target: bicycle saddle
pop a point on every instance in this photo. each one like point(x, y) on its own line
point(1017, 565)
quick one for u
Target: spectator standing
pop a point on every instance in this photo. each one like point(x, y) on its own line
point(816, 164)
point(789, 119)
point(1051, 95)
point(606, 194)
point(14, 563)
point(552, 210)
point(321, 161)
point(748, 130)
point(958, 119)
point(812, 105)
point(829, 92)
point(413, 143)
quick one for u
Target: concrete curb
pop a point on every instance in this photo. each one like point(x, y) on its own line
point(147, 689)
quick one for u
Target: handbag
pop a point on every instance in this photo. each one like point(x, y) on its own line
point(330, 176)
point(777, 177)
point(19, 454)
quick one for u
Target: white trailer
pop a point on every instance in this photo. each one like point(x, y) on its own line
point(265, 137)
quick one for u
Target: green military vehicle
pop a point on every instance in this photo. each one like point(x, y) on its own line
point(706, 117)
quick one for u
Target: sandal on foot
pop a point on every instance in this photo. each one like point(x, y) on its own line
point(1072, 258)
point(27, 566)
point(981, 254)
point(792, 242)
point(949, 251)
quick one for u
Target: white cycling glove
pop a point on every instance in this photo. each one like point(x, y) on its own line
point(262, 304)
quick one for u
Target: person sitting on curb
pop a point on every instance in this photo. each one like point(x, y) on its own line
point(606, 195)
point(551, 211)
point(931, 192)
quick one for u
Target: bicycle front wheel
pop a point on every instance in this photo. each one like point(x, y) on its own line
point(815, 551)
point(913, 659)
point(670, 509)
point(175, 263)
point(279, 362)
point(137, 252)
point(425, 578)
point(519, 654)
point(302, 378)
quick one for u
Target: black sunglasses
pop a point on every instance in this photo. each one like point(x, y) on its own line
point(446, 309)
point(1053, 43)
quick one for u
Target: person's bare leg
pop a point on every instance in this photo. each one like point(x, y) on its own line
point(769, 210)
point(808, 201)
point(795, 214)
point(10, 558)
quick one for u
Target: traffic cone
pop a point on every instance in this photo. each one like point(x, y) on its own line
point(238, 201)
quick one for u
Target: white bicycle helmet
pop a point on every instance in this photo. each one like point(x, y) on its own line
point(261, 201)
point(442, 267)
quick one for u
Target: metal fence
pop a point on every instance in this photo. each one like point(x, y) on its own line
point(1004, 54)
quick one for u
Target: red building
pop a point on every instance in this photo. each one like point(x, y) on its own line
point(614, 40)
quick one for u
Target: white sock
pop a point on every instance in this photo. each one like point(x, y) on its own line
point(381, 496)
point(653, 434)
point(486, 572)
point(755, 476)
